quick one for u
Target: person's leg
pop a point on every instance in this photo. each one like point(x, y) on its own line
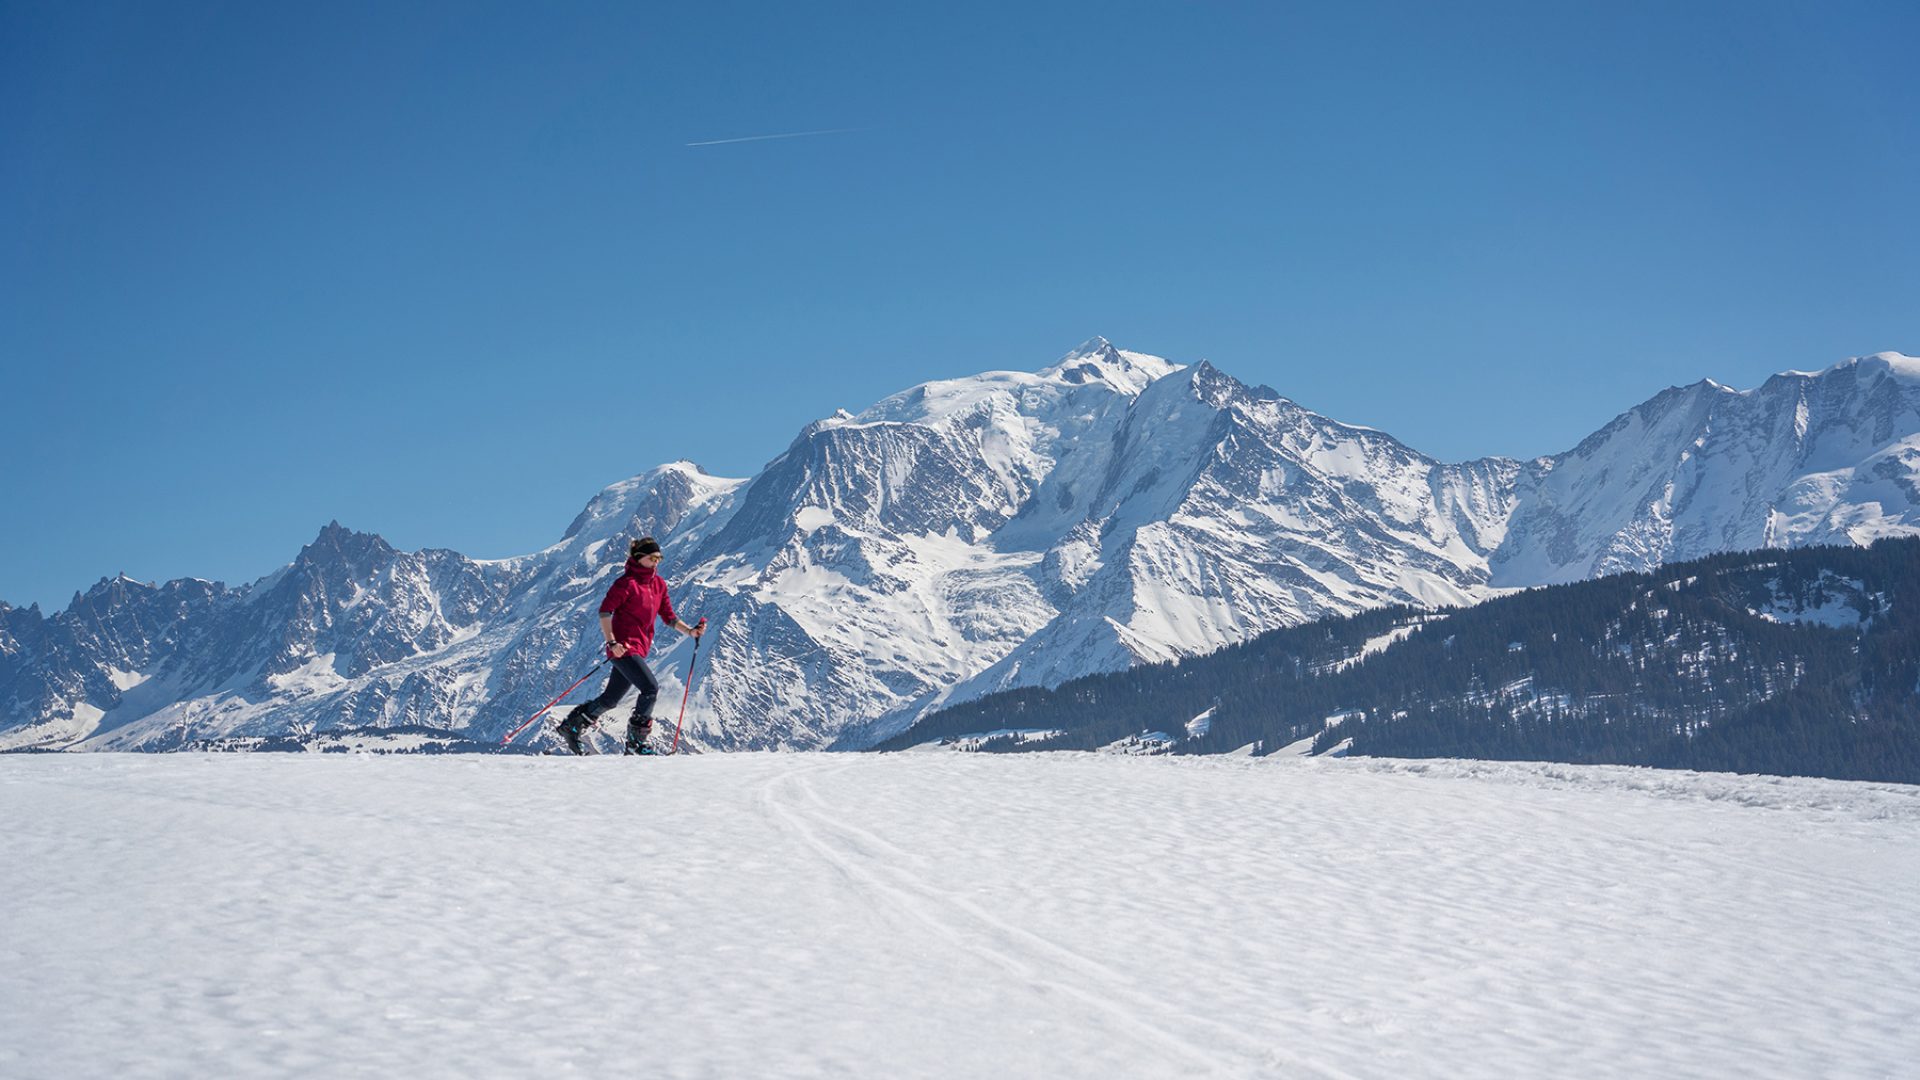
point(641, 725)
point(588, 711)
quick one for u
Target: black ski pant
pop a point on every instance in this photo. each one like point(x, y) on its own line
point(628, 670)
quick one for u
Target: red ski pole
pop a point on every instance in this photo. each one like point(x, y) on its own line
point(688, 692)
point(529, 720)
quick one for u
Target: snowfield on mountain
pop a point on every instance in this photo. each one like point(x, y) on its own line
point(949, 915)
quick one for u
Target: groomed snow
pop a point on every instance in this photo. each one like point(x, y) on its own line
point(949, 915)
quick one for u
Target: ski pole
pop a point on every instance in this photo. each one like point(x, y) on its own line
point(685, 694)
point(529, 720)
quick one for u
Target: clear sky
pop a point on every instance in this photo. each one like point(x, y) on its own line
point(442, 271)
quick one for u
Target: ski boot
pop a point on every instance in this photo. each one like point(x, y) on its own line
point(638, 729)
point(572, 727)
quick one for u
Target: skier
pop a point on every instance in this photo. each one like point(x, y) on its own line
point(626, 621)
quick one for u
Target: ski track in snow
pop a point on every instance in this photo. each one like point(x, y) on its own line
point(878, 870)
point(949, 915)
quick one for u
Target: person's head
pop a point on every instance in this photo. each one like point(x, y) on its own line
point(646, 550)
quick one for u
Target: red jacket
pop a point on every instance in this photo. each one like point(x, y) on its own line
point(635, 601)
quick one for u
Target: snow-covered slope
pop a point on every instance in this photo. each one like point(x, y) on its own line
point(1807, 458)
point(1013, 529)
point(1225, 511)
point(1008, 529)
point(949, 915)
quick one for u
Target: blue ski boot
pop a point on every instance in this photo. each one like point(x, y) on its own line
point(638, 729)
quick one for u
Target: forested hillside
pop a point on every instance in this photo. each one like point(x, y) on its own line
point(1801, 662)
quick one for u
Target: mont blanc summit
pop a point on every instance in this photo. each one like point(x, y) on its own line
point(967, 535)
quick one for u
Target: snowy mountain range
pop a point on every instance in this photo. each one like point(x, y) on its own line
point(965, 536)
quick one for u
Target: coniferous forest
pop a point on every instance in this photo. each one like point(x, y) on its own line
point(1802, 663)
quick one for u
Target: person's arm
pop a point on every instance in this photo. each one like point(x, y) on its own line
point(614, 648)
point(668, 616)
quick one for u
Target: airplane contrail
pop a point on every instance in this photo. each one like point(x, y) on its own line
point(782, 135)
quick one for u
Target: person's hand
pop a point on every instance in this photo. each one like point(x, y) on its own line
point(698, 628)
point(617, 650)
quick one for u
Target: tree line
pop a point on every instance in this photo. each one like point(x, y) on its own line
point(1802, 662)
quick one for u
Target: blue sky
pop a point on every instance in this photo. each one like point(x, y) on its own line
point(442, 271)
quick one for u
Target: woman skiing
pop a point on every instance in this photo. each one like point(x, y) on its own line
point(626, 621)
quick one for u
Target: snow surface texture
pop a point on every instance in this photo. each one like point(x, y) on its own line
point(965, 536)
point(940, 915)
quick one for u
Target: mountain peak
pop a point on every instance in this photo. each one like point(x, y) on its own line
point(336, 541)
point(1093, 346)
point(1896, 364)
point(1097, 360)
point(108, 586)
